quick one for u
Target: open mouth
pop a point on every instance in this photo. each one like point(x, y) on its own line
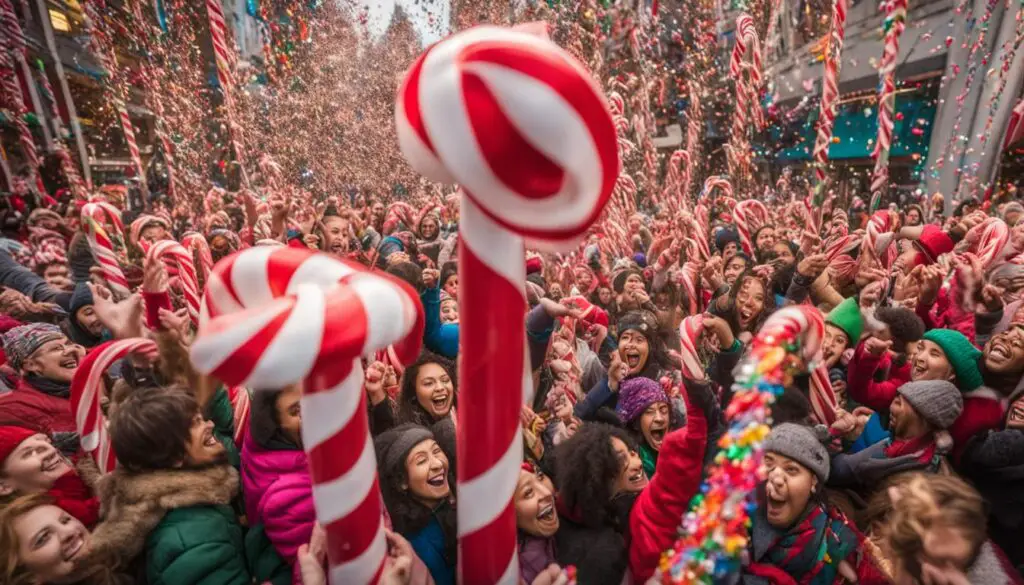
point(71, 548)
point(70, 362)
point(637, 478)
point(546, 513)
point(1000, 351)
point(776, 503)
point(746, 315)
point(440, 401)
point(658, 435)
point(633, 359)
point(437, 481)
point(209, 440)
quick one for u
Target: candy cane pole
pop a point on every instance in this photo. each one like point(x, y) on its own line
point(829, 97)
point(182, 259)
point(275, 317)
point(520, 125)
point(225, 77)
point(12, 48)
point(895, 22)
point(87, 388)
point(102, 246)
point(133, 145)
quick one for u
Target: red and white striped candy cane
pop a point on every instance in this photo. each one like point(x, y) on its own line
point(169, 250)
point(806, 321)
point(994, 238)
point(843, 245)
point(12, 55)
point(829, 96)
point(223, 57)
point(87, 388)
point(616, 104)
point(690, 331)
point(196, 242)
point(750, 215)
point(129, 138)
point(717, 182)
point(274, 317)
point(879, 237)
point(102, 245)
point(895, 22)
point(521, 126)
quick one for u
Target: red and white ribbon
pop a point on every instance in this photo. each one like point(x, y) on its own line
point(519, 124)
point(94, 216)
point(180, 258)
point(274, 317)
point(87, 388)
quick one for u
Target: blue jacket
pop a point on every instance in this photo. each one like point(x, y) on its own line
point(439, 338)
point(429, 544)
point(873, 433)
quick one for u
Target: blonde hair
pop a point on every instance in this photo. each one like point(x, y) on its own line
point(924, 503)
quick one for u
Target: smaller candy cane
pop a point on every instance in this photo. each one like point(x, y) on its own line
point(87, 388)
point(195, 242)
point(102, 248)
point(690, 331)
point(177, 255)
point(750, 216)
point(718, 182)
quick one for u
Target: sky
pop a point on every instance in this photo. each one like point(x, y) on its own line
point(429, 17)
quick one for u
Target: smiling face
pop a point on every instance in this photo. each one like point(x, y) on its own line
point(336, 235)
point(555, 292)
point(49, 542)
point(429, 228)
point(32, 467)
point(288, 411)
point(535, 504)
point(634, 350)
point(765, 239)
point(913, 218)
point(434, 390)
point(55, 360)
point(749, 303)
point(449, 311)
point(1004, 353)
point(930, 363)
point(833, 345)
point(904, 421)
point(734, 267)
point(202, 447)
point(451, 286)
point(788, 489)
point(426, 468)
point(654, 424)
point(631, 478)
point(1015, 418)
point(153, 233)
point(730, 250)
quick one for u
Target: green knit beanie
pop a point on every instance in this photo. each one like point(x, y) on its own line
point(962, 355)
point(846, 316)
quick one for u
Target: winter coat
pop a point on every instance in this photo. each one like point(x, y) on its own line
point(861, 378)
point(182, 521)
point(429, 544)
point(440, 338)
point(599, 553)
point(992, 568)
point(41, 412)
point(279, 497)
point(994, 463)
point(946, 314)
point(654, 520)
point(535, 554)
point(984, 410)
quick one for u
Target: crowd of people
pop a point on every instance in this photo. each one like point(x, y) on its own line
point(894, 458)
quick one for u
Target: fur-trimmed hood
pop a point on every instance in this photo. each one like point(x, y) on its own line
point(133, 504)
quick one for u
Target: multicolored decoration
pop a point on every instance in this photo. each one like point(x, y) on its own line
point(520, 125)
point(88, 388)
point(277, 316)
point(895, 22)
point(716, 531)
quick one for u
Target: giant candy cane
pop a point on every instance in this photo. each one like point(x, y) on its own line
point(223, 53)
point(520, 125)
point(274, 317)
point(745, 69)
point(829, 97)
point(895, 22)
point(182, 259)
point(87, 388)
point(94, 216)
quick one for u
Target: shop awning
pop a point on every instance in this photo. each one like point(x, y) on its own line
point(856, 129)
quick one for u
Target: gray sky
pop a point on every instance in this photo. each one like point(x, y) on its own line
point(430, 17)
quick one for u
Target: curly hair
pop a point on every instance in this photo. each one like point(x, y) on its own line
point(409, 408)
point(585, 471)
point(407, 514)
point(769, 302)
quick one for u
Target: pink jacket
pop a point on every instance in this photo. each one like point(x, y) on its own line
point(279, 495)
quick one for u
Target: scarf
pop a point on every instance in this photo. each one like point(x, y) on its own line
point(922, 449)
point(650, 459)
point(812, 549)
point(48, 386)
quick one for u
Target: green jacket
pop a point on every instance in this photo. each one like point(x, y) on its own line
point(223, 416)
point(201, 545)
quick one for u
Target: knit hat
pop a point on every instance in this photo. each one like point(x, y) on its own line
point(10, 438)
point(937, 401)
point(635, 395)
point(801, 445)
point(394, 445)
point(961, 354)
point(81, 297)
point(933, 243)
point(846, 316)
point(642, 321)
point(724, 236)
point(21, 342)
point(620, 276)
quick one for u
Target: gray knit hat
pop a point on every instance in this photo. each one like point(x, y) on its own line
point(800, 444)
point(939, 402)
point(393, 446)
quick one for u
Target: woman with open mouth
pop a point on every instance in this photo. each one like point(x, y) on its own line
point(797, 535)
point(645, 409)
point(429, 389)
point(418, 493)
point(536, 521)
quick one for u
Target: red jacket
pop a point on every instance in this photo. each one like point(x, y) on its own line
point(861, 384)
point(984, 409)
point(658, 510)
point(33, 409)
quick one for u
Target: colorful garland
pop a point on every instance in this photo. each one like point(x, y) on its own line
point(715, 532)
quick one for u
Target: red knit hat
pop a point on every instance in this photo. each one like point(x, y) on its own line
point(10, 438)
point(934, 243)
